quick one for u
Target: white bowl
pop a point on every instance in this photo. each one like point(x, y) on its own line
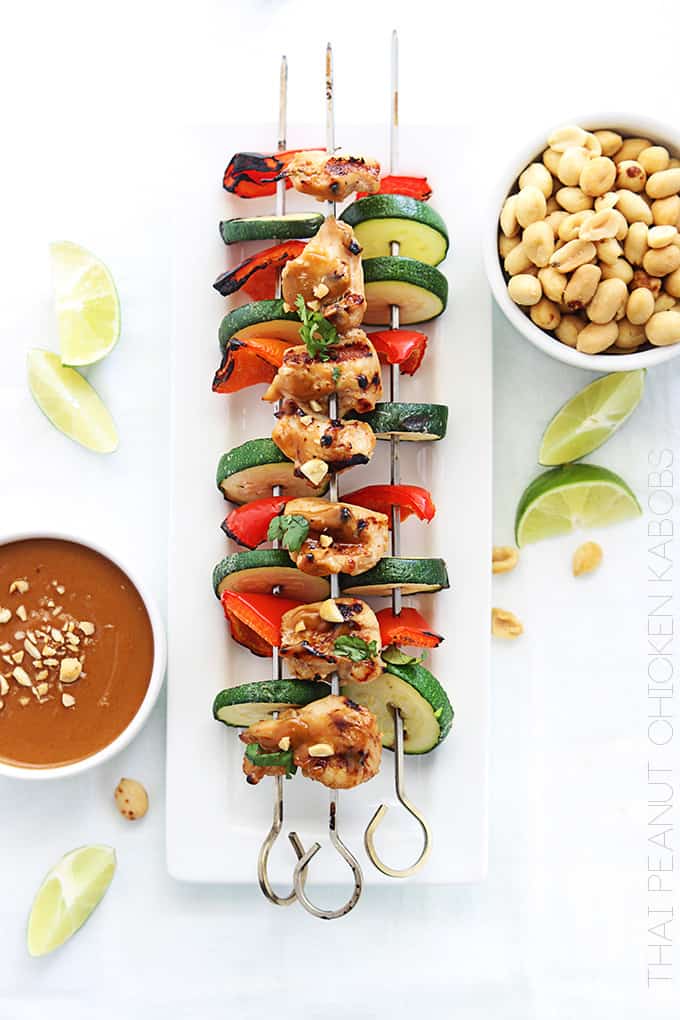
point(638, 127)
point(155, 681)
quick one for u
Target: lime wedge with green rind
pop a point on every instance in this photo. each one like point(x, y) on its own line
point(68, 895)
point(86, 303)
point(70, 402)
point(574, 496)
point(591, 417)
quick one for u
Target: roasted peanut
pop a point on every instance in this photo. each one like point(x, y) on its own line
point(551, 205)
point(594, 338)
point(567, 137)
point(631, 149)
point(640, 306)
point(643, 279)
point(505, 624)
point(573, 199)
point(597, 176)
point(634, 207)
point(654, 159)
point(539, 176)
point(581, 287)
point(659, 237)
point(569, 329)
point(665, 302)
point(551, 159)
point(606, 201)
point(586, 558)
point(131, 798)
point(571, 164)
point(555, 220)
point(572, 255)
point(603, 224)
point(545, 314)
point(553, 283)
point(610, 142)
point(619, 269)
point(592, 144)
point(672, 283)
point(608, 299)
point(664, 183)
point(506, 244)
point(504, 559)
point(517, 261)
point(508, 220)
point(635, 246)
point(630, 335)
point(570, 226)
point(661, 261)
point(539, 242)
point(630, 174)
point(530, 205)
point(525, 289)
point(666, 211)
point(608, 251)
point(663, 328)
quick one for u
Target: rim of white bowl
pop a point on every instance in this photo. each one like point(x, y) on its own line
point(155, 680)
point(634, 126)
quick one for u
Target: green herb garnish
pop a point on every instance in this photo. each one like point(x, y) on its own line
point(290, 529)
point(355, 648)
point(316, 332)
point(336, 373)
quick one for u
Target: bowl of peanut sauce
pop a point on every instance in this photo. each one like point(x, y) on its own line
point(82, 655)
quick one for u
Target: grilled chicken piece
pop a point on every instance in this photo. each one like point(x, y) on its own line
point(329, 276)
point(308, 639)
point(358, 537)
point(331, 178)
point(340, 444)
point(352, 371)
point(334, 741)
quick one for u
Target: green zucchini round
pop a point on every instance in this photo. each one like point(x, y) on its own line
point(270, 228)
point(379, 220)
point(250, 703)
point(422, 702)
point(411, 422)
point(251, 470)
point(419, 291)
point(258, 571)
point(411, 574)
point(261, 319)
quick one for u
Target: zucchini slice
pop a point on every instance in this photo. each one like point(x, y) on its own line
point(260, 318)
point(412, 422)
point(410, 574)
point(270, 228)
point(250, 471)
point(421, 700)
point(260, 570)
point(248, 704)
point(420, 291)
point(378, 220)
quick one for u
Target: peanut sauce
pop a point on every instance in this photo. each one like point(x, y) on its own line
point(89, 624)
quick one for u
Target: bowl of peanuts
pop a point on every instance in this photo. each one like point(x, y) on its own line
point(583, 254)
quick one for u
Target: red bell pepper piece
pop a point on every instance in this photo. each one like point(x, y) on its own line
point(411, 499)
point(257, 274)
point(409, 628)
point(255, 620)
point(248, 362)
point(412, 187)
point(254, 174)
point(403, 347)
point(248, 524)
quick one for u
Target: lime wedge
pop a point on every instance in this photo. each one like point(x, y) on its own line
point(575, 496)
point(67, 897)
point(88, 311)
point(70, 403)
point(591, 417)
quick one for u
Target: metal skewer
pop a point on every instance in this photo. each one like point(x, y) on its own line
point(395, 477)
point(303, 862)
point(277, 821)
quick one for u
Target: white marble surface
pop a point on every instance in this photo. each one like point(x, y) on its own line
point(559, 930)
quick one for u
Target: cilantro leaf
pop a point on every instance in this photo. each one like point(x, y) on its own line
point(336, 373)
point(355, 648)
point(316, 332)
point(290, 529)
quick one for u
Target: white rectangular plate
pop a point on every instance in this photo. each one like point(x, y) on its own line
point(216, 822)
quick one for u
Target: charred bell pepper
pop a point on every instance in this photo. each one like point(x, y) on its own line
point(403, 347)
point(412, 187)
point(409, 628)
point(248, 362)
point(258, 274)
point(255, 620)
point(254, 174)
point(248, 524)
point(411, 499)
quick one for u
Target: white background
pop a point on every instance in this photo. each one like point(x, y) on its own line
point(91, 97)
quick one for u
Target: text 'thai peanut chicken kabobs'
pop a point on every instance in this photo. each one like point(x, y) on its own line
point(323, 372)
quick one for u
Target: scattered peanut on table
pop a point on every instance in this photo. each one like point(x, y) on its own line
point(505, 624)
point(590, 241)
point(586, 558)
point(504, 559)
point(131, 798)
